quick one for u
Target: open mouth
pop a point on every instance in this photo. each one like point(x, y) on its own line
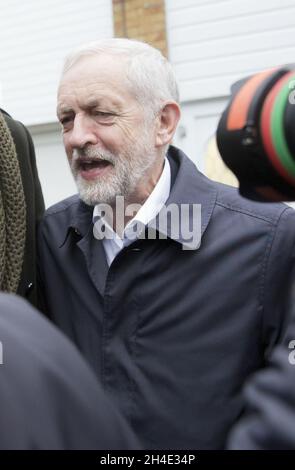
point(90, 169)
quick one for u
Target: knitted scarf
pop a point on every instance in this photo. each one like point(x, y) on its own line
point(12, 213)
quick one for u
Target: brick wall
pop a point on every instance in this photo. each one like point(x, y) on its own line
point(141, 19)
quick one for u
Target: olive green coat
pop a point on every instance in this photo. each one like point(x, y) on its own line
point(34, 201)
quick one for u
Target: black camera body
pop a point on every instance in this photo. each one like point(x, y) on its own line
point(256, 134)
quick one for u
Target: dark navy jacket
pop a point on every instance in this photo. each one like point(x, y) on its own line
point(172, 334)
point(269, 419)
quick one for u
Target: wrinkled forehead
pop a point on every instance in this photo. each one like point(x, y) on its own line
point(96, 75)
point(96, 68)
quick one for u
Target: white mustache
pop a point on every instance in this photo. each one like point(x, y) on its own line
point(91, 154)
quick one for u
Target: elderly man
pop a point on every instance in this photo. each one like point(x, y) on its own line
point(172, 329)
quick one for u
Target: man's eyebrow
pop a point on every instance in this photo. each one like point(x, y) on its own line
point(89, 104)
point(92, 103)
point(103, 103)
point(63, 109)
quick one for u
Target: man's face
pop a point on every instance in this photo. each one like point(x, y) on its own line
point(108, 143)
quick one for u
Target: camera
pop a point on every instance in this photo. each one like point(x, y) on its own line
point(256, 134)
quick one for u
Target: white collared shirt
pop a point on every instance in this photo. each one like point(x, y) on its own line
point(113, 243)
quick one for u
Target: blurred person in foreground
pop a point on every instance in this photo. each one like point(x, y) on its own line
point(49, 398)
point(269, 419)
point(171, 324)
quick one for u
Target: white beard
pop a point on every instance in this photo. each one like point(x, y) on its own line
point(128, 168)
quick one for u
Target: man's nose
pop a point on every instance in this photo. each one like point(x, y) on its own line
point(82, 133)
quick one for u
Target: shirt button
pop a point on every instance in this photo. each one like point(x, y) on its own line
point(29, 288)
point(77, 232)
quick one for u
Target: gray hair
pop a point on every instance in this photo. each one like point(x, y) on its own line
point(151, 77)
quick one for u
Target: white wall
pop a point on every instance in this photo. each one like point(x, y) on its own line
point(54, 172)
point(35, 35)
point(198, 123)
point(212, 43)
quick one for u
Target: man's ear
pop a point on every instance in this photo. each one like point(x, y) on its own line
point(167, 122)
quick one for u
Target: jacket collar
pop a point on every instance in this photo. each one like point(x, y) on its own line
point(188, 186)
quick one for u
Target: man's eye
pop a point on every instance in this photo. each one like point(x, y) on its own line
point(65, 120)
point(104, 117)
point(66, 123)
point(103, 114)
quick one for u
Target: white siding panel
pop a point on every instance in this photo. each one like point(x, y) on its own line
point(226, 28)
point(242, 63)
point(243, 44)
point(35, 36)
point(213, 43)
point(221, 9)
point(215, 77)
point(174, 4)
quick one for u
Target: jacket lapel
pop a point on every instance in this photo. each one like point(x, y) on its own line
point(95, 257)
